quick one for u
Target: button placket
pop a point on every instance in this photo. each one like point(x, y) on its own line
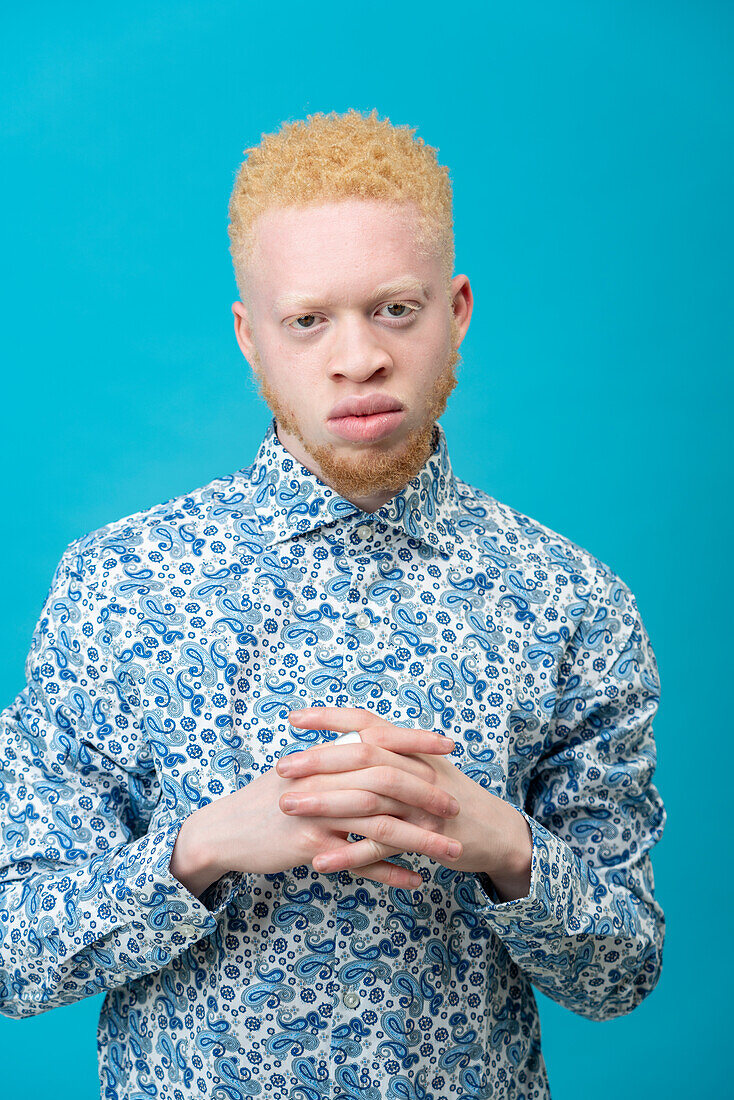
point(360, 620)
point(350, 998)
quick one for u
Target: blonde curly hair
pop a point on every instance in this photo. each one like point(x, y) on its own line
point(329, 157)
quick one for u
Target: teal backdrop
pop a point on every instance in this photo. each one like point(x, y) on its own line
point(590, 150)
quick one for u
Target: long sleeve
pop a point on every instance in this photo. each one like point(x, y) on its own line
point(590, 933)
point(87, 899)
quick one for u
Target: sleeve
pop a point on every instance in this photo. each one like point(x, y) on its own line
point(87, 900)
point(589, 934)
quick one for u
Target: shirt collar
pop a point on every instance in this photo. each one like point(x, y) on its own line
point(291, 500)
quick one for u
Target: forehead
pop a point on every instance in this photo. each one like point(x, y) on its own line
point(345, 244)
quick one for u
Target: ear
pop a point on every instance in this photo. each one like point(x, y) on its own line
point(462, 302)
point(243, 331)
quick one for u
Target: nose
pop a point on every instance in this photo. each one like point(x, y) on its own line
point(359, 353)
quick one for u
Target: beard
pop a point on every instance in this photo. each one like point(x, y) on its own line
point(360, 475)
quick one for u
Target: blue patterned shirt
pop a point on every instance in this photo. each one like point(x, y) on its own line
point(170, 649)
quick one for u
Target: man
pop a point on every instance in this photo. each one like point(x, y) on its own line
point(273, 913)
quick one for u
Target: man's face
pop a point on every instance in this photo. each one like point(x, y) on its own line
point(352, 332)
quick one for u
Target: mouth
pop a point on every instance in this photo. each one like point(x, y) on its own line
point(367, 428)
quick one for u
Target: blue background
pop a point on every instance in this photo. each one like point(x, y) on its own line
point(590, 150)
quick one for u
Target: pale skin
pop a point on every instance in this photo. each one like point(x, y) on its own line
point(398, 789)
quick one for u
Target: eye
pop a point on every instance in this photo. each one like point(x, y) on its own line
point(401, 305)
point(303, 317)
point(310, 319)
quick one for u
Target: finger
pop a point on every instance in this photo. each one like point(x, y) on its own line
point(339, 803)
point(382, 871)
point(368, 791)
point(385, 830)
point(346, 719)
point(392, 874)
point(339, 758)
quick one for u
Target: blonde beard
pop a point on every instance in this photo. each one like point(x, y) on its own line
point(359, 475)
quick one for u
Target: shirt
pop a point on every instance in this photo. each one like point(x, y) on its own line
point(170, 649)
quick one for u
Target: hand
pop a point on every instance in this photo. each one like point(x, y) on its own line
point(249, 831)
point(396, 783)
point(383, 787)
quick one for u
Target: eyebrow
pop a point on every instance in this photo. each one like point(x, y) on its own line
point(408, 284)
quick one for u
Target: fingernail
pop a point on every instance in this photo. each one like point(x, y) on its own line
point(453, 849)
point(454, 806)
point(289, 803)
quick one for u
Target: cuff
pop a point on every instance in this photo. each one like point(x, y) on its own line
point(144, 890)
point(553, 866)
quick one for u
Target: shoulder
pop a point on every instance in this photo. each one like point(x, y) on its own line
point(513, 540)
point(186, 525)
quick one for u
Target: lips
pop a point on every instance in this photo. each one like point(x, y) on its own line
point(368, 405)
point(368, 428)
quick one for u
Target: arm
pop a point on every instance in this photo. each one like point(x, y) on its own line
point(88, 901)
point(588, 931)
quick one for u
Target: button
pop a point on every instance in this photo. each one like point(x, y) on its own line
point(364, 530)
point(362, 620)
point(351, 999)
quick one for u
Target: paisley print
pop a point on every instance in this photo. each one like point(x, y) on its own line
point(168, 653)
